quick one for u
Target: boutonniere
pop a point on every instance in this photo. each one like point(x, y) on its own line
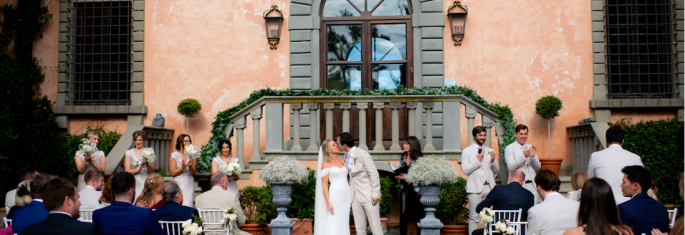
point(355, 159)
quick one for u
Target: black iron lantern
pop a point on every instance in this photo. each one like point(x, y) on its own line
point(457, 14)
point(272, 20)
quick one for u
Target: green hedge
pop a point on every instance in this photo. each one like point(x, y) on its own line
point(302, 206)
point(660, 145)
point(220, 123)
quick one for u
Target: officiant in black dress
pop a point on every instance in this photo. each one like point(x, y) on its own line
point(410, 206)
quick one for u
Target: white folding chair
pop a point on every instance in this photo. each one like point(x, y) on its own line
point(518, 226)
point(172, 227)
point(508, 215)
point(213, 218)
point(671, 215)
point(7, 221)
point(86, 215)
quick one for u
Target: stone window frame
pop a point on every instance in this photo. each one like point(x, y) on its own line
point(600, 102)
point(136, 107)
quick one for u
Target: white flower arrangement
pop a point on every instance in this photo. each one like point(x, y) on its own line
point(229, 216)
point(148, 154)
point(192, 151)
point(87, 147)
point(504, 228)
point(284, 169)
point(432, 170)
point(191, 228)
point(231, 168)
point(486, 216)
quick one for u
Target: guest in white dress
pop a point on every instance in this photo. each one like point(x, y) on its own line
point(224, 157)
point(133, 158)
point(183, 170)
point(85, 162)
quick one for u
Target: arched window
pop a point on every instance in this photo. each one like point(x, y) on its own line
point(366, 44)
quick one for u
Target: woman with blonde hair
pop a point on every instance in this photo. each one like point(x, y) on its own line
point(577, 181)
point(332, 203)
point(22, 197)
point(86, 162)
point(135, 164)
point(152, 194)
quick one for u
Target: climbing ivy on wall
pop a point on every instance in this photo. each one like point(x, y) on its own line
point(221, 120)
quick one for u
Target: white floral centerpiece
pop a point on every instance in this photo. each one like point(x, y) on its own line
point(503, 227)
point(191, 228)
point(284, 169)
point(230, 168)
point(229, 216)
point(87, 147)
point(192, 151)
point(432, 170)
point(148, 154)
point(486, 216)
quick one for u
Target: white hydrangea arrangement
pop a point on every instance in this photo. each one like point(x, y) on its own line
point(87, 147)
point(284, 169)
point(191, 228)
point(230, 168)
point(503, 228)
point(148, 154)
point(432, 170)
point(229, 216)
point(192, 151)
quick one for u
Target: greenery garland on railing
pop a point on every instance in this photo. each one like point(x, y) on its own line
point(220, 123)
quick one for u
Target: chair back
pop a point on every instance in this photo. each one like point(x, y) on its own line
point(7, 221)
point(518, 226)
point(671, 215)
point(7, 209)
point(86, 215)
point(212, 220)
point(508, 215)
point(172, 227)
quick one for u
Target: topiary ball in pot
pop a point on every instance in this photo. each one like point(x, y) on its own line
point(548, 107)
point(189, 107)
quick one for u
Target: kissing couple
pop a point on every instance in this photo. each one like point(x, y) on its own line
point(332, 206)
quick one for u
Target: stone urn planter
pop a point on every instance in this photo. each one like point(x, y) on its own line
point(430, 197)
point(282, 225)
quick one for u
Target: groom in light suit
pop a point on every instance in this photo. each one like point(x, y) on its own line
point(365, 185)
point(524, 157)
point(480, 168)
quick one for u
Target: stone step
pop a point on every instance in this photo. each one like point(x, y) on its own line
point(565, 184)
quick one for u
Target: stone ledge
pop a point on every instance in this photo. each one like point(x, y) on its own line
point(636, 103)
point(104, 109)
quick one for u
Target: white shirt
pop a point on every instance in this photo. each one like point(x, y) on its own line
point(87, 186)
point(61, 212)
point(349, 159)
point(38, 200)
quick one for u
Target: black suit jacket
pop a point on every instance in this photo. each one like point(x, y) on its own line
point(509, 197)
point(172, 211)
point(61, 224)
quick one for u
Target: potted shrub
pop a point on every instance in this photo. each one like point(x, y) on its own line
point(257, 206)
point(387, 185)
point(548, 108)
point(188, 108)
point(427, 175)
point(452, 209)
point(281, 173)
point(301, 210)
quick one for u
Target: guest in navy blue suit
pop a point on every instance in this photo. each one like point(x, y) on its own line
point(63, 204)
point(122, 217)
point(35, 211)
point(172, 209)
point(641, 213)
point(509, 197)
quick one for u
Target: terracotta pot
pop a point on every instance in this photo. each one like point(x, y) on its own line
point(253, 229)
point(302, 227)
point(353, 229)
point(457, 229)
point(384, 225)
point(552, 164)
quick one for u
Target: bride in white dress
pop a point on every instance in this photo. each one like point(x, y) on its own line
point(183, 170)
point(332, 207)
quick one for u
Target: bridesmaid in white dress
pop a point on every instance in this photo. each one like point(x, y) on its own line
point(183, 170)
point(133, 157)
point(90, 161)
point(223, 157)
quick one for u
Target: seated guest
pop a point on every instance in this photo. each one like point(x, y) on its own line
point(91, 193)
point(22, 197)
point(641, 213)
point(597, 214)
point(577, 181)
point(509, 197)
point(35, 211)
point(152, 194)
point(172, 209)
point(220, 198)
point(122, 217)
point(63, 204)
point(107, 197)
point(26, 174)
point(679, 223)
point(555, 214)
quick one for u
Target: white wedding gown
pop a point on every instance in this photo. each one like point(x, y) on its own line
point(325, 222)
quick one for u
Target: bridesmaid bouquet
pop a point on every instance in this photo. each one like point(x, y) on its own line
point(231, 168)
point(503, 228)
point(87, 147)
point(190, 227)
point(148, 155)
point(192, 151)
point(229, 216)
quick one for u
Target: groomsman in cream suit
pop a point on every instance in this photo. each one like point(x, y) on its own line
point(522, 156)
point(90, 195)
point(365, 185)
point(220, 198)
point(480, 164)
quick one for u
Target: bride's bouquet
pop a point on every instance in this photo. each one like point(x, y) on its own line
point(87, 147)
point(229, 216)
point(190, 227)
point(148, 155)
point(231, 168)
point(192, 151)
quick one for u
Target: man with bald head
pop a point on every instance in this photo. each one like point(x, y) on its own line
point(509, 197)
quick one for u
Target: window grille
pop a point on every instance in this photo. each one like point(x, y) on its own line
point(641, 55)
point(100, 51)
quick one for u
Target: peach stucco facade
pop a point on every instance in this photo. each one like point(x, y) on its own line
point(215, 51)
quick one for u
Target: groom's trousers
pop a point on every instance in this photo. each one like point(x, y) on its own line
point(474, 200)
point(361, 211)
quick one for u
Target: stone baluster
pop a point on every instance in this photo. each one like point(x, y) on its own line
point(240, 127)
point(156, 143)
point(256, 115)
point(411, 107)
point(313, 107)
point(329, 119)
point(487, 124)
point(428, 106)
point(451, 122)
point(379, 127)
point(362, 125)
point(346, 116)
point(274, 126)
point(296, 126)
point(395, 106)
point(470, 116)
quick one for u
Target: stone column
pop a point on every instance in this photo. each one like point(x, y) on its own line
point(362, 125)
point(487, 124)
point(429, 126)
point(313, 107)
point(470, 115)
point(379, 126)
point(256, 115)
point(296, 126)
point(411, 107)
point(329, 119)
point(240, 126)
point(346, 116)
point(395, 106)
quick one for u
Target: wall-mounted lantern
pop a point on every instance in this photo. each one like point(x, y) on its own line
point(457, 14)
point(272, 20)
